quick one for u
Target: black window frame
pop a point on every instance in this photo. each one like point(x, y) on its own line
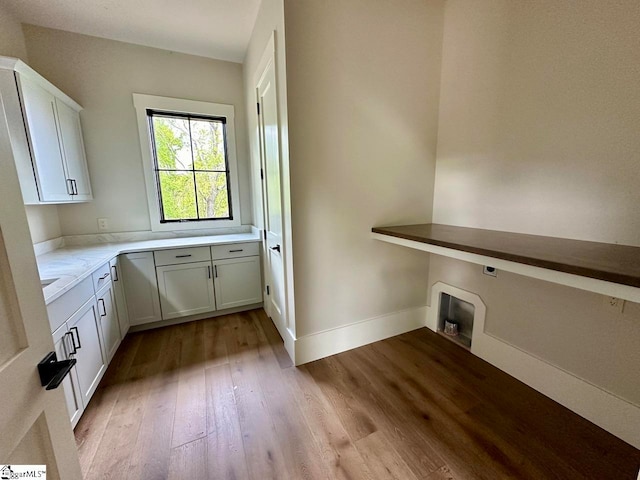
point(156, 169)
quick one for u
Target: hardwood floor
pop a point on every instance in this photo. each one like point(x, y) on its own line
point(220, 399)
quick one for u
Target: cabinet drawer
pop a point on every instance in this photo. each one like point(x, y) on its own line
point(220, 252)
point(62, 308)
point(101, 277)
point(181, 255)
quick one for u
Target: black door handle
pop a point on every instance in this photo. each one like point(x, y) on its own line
point(276, 248)
point(52, 371)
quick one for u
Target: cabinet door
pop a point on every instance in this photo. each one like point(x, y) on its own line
point(40, 115)
point(186, 289)
point(237, 282)
point(70, 386)
point(140, 287)
point(108, 322)
point(73, 149)
point(91, 365)
point(118, 293)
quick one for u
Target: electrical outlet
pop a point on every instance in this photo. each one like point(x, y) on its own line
point(614, 303)
point(103, 224)
point(492, 271)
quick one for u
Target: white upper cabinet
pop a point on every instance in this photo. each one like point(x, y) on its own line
point(46, 137)
point(73, 150)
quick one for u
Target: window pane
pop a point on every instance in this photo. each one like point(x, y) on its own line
point(213, 199)
point(173, 148)
point(178, 195)
point(208, 145)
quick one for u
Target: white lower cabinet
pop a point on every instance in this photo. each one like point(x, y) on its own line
point(237, 282)
point(118, 294)
point(84, 325)
point(138, 272)
point(70, 385)
point(186, 289)
point(108, 321)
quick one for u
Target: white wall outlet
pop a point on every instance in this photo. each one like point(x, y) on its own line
point(614, 303)
point(490, 271)
point(103, 224)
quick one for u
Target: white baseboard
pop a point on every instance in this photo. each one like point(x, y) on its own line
point(606, 410)
point(329, 342)
point(612, 413)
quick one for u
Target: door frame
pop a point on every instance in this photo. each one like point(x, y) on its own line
point(269, 55)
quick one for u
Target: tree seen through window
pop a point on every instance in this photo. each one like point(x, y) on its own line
point(191, 167)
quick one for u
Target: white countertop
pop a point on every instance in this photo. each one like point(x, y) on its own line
point(71, 265)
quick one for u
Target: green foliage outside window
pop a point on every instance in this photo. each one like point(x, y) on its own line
point(191, 168)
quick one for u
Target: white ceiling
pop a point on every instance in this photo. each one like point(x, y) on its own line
point(210, 28)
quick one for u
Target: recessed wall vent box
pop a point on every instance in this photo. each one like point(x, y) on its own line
point(456, 311)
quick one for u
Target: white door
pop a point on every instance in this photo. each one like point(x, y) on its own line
point(85, 328)
point(186, 289)
point(138, 274)
point(73, 148)
point(272, 193)
point(34, 422)
point(40, 111)
point(237, 282)
point(108, 321)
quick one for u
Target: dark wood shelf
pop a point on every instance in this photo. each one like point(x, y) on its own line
point(603, 261)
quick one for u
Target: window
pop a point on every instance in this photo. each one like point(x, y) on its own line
point(191, 167)
point(188, 151)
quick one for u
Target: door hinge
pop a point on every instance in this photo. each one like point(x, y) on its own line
point(261, 174)
point(268, 292)
point(264, 233)
point(258, 105)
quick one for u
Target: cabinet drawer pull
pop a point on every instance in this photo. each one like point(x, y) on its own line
point(79, 346)
point(104, 276)
point(66, 343)
point(69, 186)
point(234, 251)
point(104, 308)
point(209, 271)
point(215, 270)
point(74, 184)
point(114, 269)
point(183, 256)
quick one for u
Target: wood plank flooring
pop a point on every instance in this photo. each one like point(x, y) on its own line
point(219, 399)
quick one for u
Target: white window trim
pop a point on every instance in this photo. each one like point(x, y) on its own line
point(144, 102)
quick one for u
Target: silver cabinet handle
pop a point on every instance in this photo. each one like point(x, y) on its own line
point(215, 270)
point(209, 271)
point(234, 251)
point(114, 269)
point(182, 256)
point(104, 308)
point(75, 187)
point(69, 186)
point(104, 276)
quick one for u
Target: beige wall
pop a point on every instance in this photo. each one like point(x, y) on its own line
point(43, 220)
point(569, 328)
point(11, 37)
point(363, 80)
point(538, 133)
point(101, 75)
point(539, 118)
